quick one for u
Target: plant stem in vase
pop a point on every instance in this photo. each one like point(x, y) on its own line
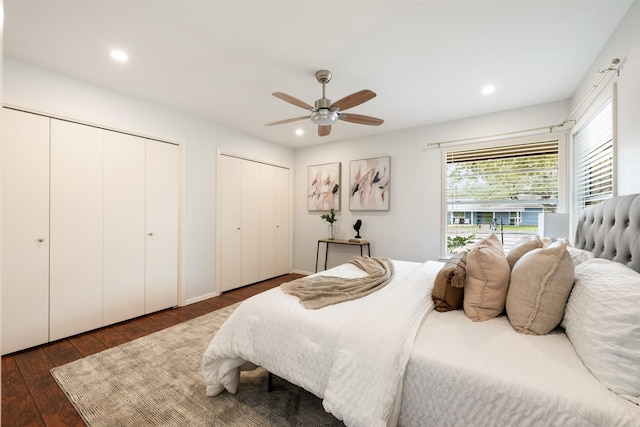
point(331, 232)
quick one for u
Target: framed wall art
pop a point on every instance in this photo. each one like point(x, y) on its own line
point(323, 190)
point(369, 184)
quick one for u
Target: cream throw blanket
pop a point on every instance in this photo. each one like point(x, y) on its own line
point(320, 291)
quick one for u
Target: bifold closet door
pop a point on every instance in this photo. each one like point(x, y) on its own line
point(76, 229)
point(274, 221)
point(250, 233)
point(124, 226)
point(251, 225)
point(281, 243)
point(267, 222)
point(229, 189)
point(239, 198)
point(25, 230)
point(162, 225)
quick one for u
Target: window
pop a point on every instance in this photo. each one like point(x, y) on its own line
point(593, 158)
point(499, 188)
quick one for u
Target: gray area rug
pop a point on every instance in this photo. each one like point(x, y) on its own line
point(156, 381)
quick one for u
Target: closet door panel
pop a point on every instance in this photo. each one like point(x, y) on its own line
point(281, 244)
point(229, 190)
point(76, 227)
point(267, 221)
point(253, 214)
point(250, 233)
point(124, 226)
point(162, 225)
point(25, 230)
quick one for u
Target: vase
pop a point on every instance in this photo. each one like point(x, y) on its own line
point(331, 232)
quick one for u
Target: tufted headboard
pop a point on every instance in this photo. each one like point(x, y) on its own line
point(611, 230)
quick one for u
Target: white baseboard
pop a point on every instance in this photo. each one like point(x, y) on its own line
point(201, 298)
point(216, 294)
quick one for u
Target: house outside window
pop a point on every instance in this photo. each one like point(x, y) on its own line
point(499, 187)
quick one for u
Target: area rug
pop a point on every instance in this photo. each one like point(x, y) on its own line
point(156, 381)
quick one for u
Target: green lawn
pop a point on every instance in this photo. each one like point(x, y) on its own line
point(468, 228)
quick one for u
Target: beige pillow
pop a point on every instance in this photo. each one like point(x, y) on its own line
point(521, 247)
point(540, 285)
point(448, 288)
point(487, 280)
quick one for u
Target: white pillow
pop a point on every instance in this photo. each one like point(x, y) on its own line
point(602, 320)
point(579, 255)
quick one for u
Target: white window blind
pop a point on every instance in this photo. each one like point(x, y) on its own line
point(499, 189)
point(593, 154)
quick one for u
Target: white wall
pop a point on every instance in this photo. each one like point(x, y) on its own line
point(411, 229)
point(1, 46)
point(37, 89)
point(623, 44)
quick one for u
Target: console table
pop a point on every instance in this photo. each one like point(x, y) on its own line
point(328, 242)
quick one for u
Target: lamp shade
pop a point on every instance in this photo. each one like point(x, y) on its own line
point(553, 225)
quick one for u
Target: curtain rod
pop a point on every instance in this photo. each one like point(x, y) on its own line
point(612, 67)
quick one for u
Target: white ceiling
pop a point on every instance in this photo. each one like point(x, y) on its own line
point(221, 60)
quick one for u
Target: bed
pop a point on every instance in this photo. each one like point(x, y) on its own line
point(390, 359)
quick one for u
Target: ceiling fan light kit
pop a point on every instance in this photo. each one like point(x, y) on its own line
point(324, 113)
point(324, 117)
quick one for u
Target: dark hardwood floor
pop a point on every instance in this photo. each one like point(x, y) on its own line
point(30, 395)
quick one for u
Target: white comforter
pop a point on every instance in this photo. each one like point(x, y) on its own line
point(465, 373)
point(349, 354)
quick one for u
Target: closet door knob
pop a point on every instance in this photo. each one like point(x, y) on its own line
point(150, 234)
point(40, 240)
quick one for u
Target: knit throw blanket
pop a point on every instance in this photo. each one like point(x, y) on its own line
point(320, 291)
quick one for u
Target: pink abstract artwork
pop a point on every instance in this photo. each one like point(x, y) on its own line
point(324, 187)
point(369, 184)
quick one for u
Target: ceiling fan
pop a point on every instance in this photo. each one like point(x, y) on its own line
point(324, 113)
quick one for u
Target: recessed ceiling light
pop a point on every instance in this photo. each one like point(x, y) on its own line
point(488, 89)
point(299, 132)
point(119, 55)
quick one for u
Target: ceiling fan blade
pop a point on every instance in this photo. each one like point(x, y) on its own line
point(354, 99)
point(360, 119)
point(324, 130)
point(291, 100)
point(280, 122)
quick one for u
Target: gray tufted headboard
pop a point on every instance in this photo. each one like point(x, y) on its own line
point(611, 230)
